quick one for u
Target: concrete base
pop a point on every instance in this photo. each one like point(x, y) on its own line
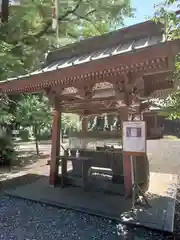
point(103, 186)
point(161, 197)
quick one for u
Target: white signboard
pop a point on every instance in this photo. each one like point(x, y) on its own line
point(134, 137)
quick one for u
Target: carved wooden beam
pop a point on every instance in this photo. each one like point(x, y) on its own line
point(50, 96)
point(159, 86)
point(93, 99)
point(144, 106)
point(104, 104)
point(84, 101)
point(53, 97)
point(108, 106)
point(128, 97)
point(133, 83)
point(87, 91)
point(93, 111)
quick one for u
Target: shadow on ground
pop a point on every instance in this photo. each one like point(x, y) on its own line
point(176, 233)
point(31, 178)
point(113, 207)
point(27, 158)
point(18, 181)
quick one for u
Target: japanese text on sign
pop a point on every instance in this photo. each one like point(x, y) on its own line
point(134, 136)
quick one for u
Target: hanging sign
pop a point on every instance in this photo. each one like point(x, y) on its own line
point(134, 137)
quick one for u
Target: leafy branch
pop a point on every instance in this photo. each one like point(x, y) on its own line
point(28, 33)
point(61, 18)
point(30, 38)
point(171, 105)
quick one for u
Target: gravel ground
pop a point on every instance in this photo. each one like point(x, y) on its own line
point(177, 215)
point(25, 220)
point(164, 156)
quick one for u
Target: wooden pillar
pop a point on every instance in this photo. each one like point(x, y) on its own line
point(55, 147)
point(84, 131)
point(126, 160)
point(155, 120)
point(141, 116)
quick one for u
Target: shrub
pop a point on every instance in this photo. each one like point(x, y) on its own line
point(24, 135)
point(46, 135)
point(7, 150)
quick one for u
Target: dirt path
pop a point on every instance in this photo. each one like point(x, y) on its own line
point(164, 156)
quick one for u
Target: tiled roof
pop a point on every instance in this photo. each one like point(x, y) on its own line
point(116, 50)
point(106, 41)
point(122, 41)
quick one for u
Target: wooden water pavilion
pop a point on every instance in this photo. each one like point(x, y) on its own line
point(112, 73)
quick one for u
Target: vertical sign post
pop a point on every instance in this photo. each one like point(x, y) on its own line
point(134, 144)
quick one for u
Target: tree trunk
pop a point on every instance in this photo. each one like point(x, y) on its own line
point(35, 132)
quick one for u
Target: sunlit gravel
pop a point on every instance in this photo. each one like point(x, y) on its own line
point(26, 220)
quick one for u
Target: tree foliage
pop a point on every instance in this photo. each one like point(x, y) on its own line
point(171, 105)
point(28, 34)
point(170, 18)
point(70, 123)
point(7, 150)
point(34, 111)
